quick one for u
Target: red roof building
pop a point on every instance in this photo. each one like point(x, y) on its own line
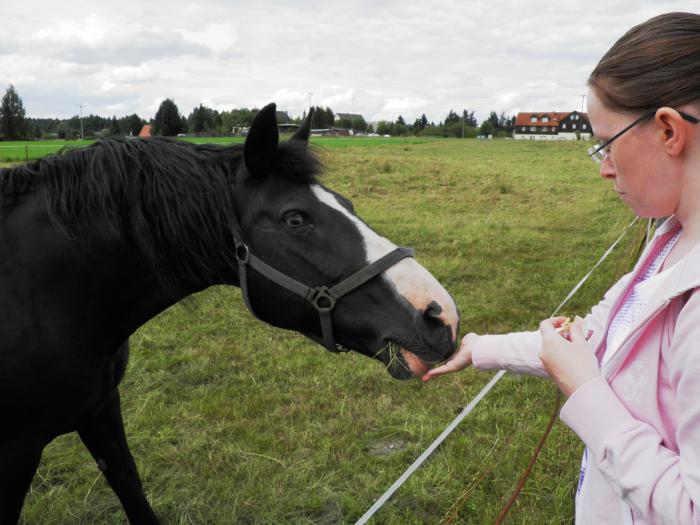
point(145, 131)
point(552, 125)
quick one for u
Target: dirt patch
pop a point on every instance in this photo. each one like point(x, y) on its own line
point(388, 447)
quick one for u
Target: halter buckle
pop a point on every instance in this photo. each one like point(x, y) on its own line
point(322, 298)
point(243, 253)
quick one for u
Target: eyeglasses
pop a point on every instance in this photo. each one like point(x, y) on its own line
point(599, 153)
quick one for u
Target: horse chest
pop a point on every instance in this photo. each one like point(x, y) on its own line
point(61, 394)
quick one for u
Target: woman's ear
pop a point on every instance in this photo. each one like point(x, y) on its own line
point(672, 130)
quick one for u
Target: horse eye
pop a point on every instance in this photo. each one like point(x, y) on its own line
point(295, 220)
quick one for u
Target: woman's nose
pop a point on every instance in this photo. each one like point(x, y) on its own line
point(607, 170)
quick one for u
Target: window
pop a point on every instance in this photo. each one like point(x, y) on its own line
point(545, 119)
point(533, 119)
point(563, 126)
point(522, 129)
point(533, 128)
point(573, 126)
point(583, 126)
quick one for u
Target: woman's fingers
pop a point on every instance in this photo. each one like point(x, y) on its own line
point(446, 368)
point(461, 359)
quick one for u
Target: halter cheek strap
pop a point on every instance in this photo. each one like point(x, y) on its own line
point(322, 298)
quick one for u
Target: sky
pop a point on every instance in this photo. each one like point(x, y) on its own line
point(377, 58)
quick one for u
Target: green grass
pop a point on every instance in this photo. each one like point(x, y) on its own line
point(233, 421)
point(18, 151)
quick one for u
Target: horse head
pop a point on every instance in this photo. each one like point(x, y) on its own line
point(310, 233)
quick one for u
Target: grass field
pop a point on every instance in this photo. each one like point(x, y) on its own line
point(232, 421)
point(20, 151)
point(33, 149)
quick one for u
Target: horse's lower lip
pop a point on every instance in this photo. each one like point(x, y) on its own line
point(416, 364)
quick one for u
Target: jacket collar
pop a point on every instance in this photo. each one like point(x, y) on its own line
point(685, 274)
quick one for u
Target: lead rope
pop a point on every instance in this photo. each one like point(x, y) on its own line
point(472, 404)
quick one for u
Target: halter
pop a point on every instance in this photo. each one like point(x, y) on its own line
point(322, 298)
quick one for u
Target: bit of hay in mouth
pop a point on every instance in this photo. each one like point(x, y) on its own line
point(395, 359)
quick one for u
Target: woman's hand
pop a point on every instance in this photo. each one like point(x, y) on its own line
point(460, 360)
point(569, 363)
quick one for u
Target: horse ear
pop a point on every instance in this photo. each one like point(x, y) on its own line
point(261, 143)
point(305, 129)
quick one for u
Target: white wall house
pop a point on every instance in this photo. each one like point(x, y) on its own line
point(553, 125)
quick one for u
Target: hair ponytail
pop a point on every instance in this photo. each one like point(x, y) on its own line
point(656, 63)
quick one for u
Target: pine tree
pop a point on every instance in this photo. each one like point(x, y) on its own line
point(452, 117)
point(493, 119)
point(322, 118)
point(114, 129)
point(132, 124)
point(168, 122)
point(318, 119)
point(13, 125)
point(200, 119)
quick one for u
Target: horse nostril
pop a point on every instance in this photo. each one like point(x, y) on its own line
point(433, 310)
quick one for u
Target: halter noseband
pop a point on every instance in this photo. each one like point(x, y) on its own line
point(322, 298)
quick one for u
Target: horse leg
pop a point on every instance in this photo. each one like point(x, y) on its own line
point(103, 435)
point(18, 465)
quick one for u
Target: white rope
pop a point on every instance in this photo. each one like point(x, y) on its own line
point(472, 404)
point(595, 267)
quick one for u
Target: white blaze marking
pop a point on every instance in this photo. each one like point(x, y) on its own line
point(410, 279)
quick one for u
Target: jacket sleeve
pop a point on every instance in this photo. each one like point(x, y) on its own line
point(661, 485)
point(518, 352)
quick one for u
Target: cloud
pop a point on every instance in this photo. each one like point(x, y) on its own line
point(396, 106)
point(133, 74)
point(380, 59)
point(94, 40)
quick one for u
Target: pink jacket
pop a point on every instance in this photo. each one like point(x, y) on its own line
point(641, 418)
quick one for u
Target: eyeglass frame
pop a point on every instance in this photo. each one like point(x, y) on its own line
point(595, 152)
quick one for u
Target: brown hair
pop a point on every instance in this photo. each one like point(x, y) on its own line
point(656, 63)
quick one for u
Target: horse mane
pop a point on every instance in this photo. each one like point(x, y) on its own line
point(170, 201)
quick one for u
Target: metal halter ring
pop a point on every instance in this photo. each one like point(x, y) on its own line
point(322, 298)
point(242, 253)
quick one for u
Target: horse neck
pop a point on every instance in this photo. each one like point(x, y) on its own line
point(171, 235)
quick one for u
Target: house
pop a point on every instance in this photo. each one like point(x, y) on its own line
point(553, 125)
point(287, 128)
point(330, 131)
point(349, 116)
point(145, 131)
point(282, 117)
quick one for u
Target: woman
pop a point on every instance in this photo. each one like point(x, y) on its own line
point(633, 387)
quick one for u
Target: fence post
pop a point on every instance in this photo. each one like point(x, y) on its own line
point(26, 152)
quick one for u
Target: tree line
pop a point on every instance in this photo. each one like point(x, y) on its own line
point(205, 121)
point(454, 125)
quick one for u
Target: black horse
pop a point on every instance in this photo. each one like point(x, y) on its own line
point(96, 241)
